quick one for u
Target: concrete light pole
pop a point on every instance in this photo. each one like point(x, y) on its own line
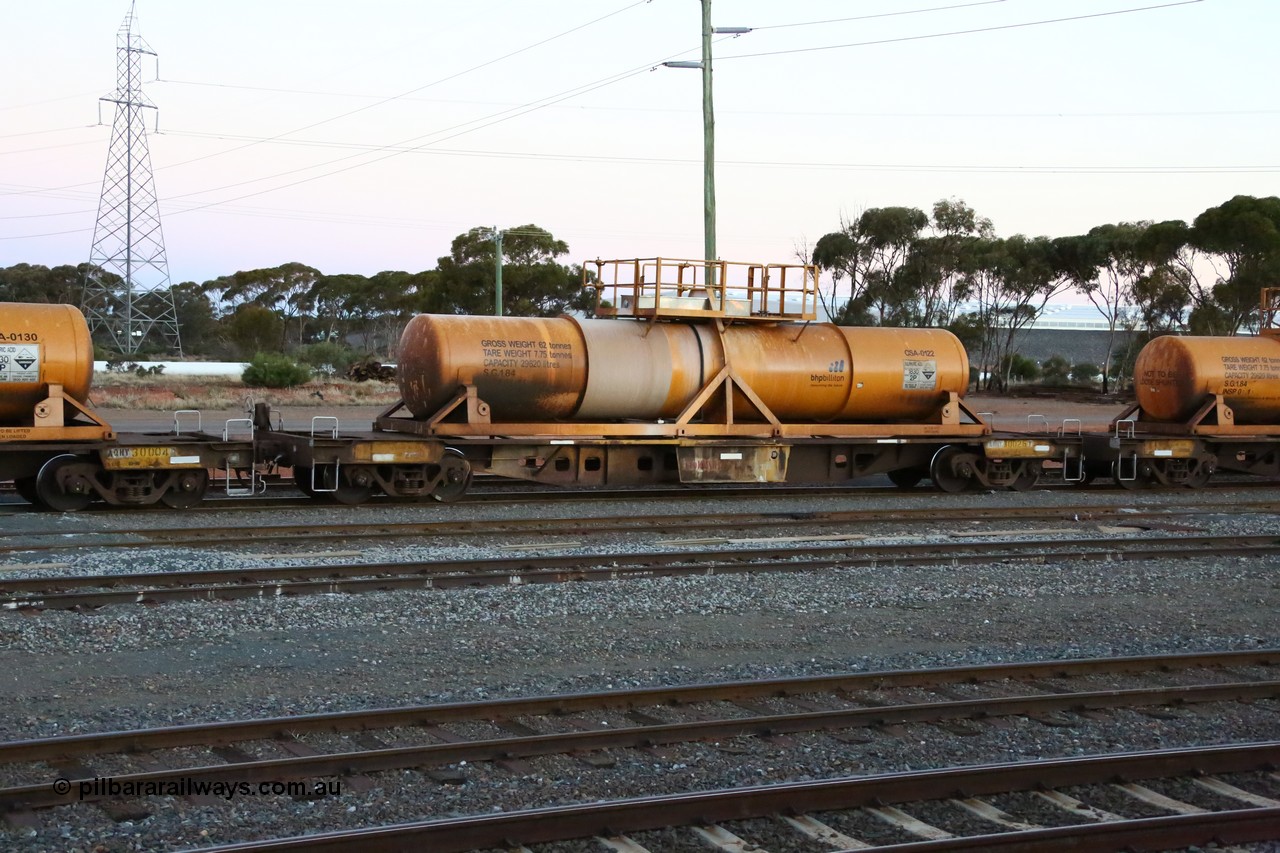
point(496, 234)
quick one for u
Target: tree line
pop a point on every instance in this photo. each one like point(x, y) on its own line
point(335, 319)
point(898, 266)
point(892, 266)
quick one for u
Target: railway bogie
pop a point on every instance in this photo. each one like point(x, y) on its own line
point(352, 467)
point(130, 470)
point(1140, 460)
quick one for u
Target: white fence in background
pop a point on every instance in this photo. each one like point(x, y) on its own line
point(179, 368)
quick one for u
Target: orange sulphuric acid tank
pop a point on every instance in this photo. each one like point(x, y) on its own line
point(41, 345)
point(536, 369)
point(1175, 375)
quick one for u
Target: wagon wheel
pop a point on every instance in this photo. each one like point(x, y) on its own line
point(1200, 476)
point(188, 491)
point(905, 478)
point(355, 485)
point(60, 489)
point(1026, 479)
point(26, 489)
point(952, 469)
point(457, 476)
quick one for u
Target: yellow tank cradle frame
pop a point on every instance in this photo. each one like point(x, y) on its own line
point(53, 419)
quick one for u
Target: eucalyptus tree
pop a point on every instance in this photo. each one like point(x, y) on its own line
point(933, 272)
point(1160, 299)
point(1105, 265)
point(1032, 273)
point(252, 328)
point(197, 321)
point(38, 283)
point(333, 303)
point(1243, 236)
point(1009, 281)
point(1179, 274)
point(281, 289)
point(840, 253)
point(387, 302)
point(869, 253)
point(982, 264)
point(533, 283)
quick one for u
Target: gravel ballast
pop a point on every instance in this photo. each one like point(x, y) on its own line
point(132, 666)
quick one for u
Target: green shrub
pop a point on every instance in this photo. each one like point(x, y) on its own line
point(273, 370)
point(1019, 368)
point(1085, 373)
point(1056, 370)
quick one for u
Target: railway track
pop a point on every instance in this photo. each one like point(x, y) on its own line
point(815, 812)
point(594, 728)
point(142, 537)
point(92, 591)
point(281, 495)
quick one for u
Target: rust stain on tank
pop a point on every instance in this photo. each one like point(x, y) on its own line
point(528, 365)
point(1174, 375)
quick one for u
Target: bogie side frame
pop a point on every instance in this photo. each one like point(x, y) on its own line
point(711, 444)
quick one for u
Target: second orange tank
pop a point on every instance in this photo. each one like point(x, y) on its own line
point(532, 369)
point(1174, 376)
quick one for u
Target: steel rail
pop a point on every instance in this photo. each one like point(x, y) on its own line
point(1170, 832)
point(500, 491)
point(608, 819)
point(562, 743)
point(503, 490)
point(170, 537)
point(214, 734)
point(156, 587)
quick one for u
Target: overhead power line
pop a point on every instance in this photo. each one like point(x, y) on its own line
point(47, 101)
point(544, 102)
point(387, 99)
point(959, 32)
point(880, 15)
point(426, 86)
point(50, 130)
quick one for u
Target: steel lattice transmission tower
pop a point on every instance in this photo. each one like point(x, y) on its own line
point(128, 295)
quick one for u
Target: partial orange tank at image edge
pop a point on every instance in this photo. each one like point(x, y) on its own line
point(531, 369)
point(41, 345)
point(1174, 376)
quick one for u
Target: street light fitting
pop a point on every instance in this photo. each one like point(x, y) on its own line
point(683, 63)
point(730, 31)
